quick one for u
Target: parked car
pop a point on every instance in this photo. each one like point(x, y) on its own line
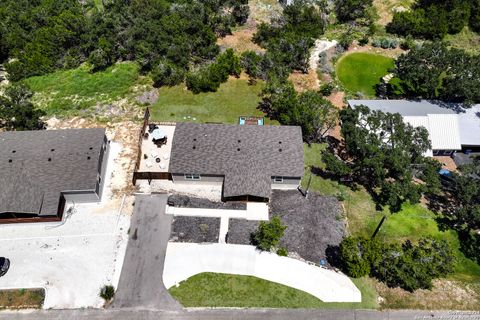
point(4, 266)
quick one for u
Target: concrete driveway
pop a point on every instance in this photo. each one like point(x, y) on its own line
point(72, 260)
point(140, 284)
point(184, 260)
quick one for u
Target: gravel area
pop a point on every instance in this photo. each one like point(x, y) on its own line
point(195, 229)
point(313, 224)
point(184, 201)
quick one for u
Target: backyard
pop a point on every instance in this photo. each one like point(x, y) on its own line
point(76, 91)
point(233, 99)
point(360, 72)
point(412, 222)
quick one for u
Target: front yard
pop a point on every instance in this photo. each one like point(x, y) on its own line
point(412, 222)
point(21, 298)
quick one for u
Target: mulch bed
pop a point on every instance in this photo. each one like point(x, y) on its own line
point(313, 224)
point(183, 201)
point(195, 229)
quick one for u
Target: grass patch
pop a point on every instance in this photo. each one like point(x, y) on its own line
point(21, 298)
point(360, 72)
point(233, 99)
point(412, 222)
point(466, 40)
point(66, 92)
point(225, 290)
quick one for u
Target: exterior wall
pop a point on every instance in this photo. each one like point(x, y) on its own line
point(102, 167)
point(81, 196)
point(287, 183)
point(204, 179)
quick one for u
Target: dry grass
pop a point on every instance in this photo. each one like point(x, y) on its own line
point(386, 9)
point(264, 10)
point(446, 294)
point(240, 41)
point(21, 298)
point(305, 81)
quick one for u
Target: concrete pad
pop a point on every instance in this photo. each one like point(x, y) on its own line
point(184, 260)
point(73, 259)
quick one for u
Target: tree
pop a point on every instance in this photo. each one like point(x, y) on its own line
point(435, 71)
point(268, 234)
point(381, 152)
point(17, 112)
point(166, 73)
point(350, 10)
point(251, 64)
point(358, 255)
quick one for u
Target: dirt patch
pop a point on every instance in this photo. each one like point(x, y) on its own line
point(195, 229)
point(386, 9)
point(240, 41)
point(184, 201)
point(22, 298)
point(446, 294)
point(264, 11)
point(313, 224)
point(304, 81)
point(447, 162)
point(126, 133)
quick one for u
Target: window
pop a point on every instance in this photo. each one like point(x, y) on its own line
point(278, 179)
point(191, 176)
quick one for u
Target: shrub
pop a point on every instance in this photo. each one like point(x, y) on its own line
point(326, 89)
point(269, 234)
point(166, 73)
point(358, 255)
point(282, 252)
point(408, 43)
point(385, 43)
point(107, 292)
point(363, 41)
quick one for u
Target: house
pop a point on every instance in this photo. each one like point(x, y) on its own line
point(449, 130)
point(248, 161)
point(41, 170)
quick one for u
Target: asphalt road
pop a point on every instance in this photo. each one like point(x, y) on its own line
point(141, 285)
point(235, 314)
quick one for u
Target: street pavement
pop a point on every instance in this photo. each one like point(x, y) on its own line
point(235, 314)
point(141, 284)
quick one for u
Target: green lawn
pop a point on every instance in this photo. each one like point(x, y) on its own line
point(360, 72)
point(233, 99)
point(225, 290)
point(66, 92)
point(412, 222)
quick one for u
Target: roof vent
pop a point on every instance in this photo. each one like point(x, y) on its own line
point(91, 148)
point(88, 158)
point(279, 142)
point(238, 149)
point(13, 151)
point(10, 160)
point(52, 150)
point(280, 150)
point(194, 139)
point(193, 147)
point(49, 159)
point(239, 141)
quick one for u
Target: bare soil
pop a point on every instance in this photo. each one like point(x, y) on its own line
point(240, 41)
point(195, 229)
point(313, 224)
point(22, 298)
point(305, 81)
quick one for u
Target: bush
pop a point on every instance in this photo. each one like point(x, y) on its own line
point(269, 234)
point(363, 41)
point(283, 252)
point(166, 73)
point(385, 43)
point(107, 292)
point(408, 43)
point(358, 255)
point(326, 89)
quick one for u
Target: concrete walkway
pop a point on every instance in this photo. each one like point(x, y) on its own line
point(140, 284)
point(254, 211)
point(184, 260)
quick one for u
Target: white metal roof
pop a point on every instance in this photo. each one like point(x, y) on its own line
point(470, 126)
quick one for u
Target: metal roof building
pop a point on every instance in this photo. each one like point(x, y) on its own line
point(448, 129)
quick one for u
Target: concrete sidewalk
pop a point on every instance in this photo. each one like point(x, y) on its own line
point(140, 284)
point(184, 260)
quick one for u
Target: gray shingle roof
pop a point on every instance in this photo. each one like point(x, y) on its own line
point(36, 166)
point(248, 156)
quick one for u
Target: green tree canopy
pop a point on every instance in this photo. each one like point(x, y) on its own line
point(17, 112)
